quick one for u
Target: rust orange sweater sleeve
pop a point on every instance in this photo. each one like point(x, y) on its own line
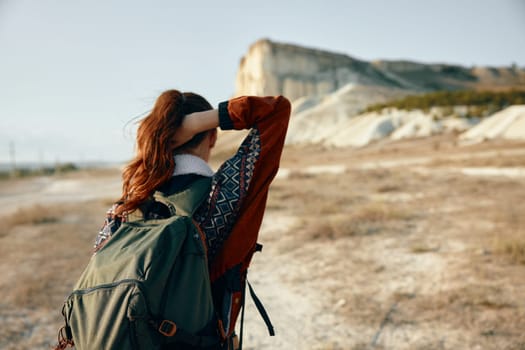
point(268, 118)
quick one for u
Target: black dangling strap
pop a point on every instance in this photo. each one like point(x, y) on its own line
point(258, 304)
point(262, 310)
point(242, 316)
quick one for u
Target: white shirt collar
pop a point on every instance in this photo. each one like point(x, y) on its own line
point(190, 164)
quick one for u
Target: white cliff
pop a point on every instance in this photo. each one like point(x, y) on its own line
point(271, 68)
point(329, 92)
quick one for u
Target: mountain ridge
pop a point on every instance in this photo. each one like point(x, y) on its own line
point(271, 68)
point(332, 92)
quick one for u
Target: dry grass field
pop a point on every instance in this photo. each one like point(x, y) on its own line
point(403, 245)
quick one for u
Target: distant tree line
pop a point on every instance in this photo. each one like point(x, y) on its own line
point(42, 171)
point(480, 103)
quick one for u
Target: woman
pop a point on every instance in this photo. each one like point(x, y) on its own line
point(173, 147)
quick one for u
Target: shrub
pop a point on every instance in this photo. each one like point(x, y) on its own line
point(486, 102)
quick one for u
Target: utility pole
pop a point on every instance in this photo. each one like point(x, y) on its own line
point(12, 157)
point(41, 161)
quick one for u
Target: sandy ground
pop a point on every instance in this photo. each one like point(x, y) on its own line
point(82, 186)
point(427, 277)
point(400, 245)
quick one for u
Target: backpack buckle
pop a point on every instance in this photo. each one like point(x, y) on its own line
point(167, 328)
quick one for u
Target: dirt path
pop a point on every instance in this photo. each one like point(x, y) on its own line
point(77, 187)
point(298, 313)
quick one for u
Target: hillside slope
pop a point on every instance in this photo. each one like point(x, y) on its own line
point(330, 92)
point(272, 68)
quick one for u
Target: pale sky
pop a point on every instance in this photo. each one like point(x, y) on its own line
point(74, 73)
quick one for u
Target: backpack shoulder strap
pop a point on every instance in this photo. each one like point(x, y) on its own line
point(186, 202)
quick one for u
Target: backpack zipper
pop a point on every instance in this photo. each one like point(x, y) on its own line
point(107, 285)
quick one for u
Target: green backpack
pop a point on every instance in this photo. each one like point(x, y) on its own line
point(148, 286)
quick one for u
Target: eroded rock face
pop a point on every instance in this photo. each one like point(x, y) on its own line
point(331, 91)
point(271, 68)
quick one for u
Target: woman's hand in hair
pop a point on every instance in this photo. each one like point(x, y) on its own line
point(195, 123)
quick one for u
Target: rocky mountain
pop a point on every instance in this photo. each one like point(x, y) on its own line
point(271, 68)
point(330, 92)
